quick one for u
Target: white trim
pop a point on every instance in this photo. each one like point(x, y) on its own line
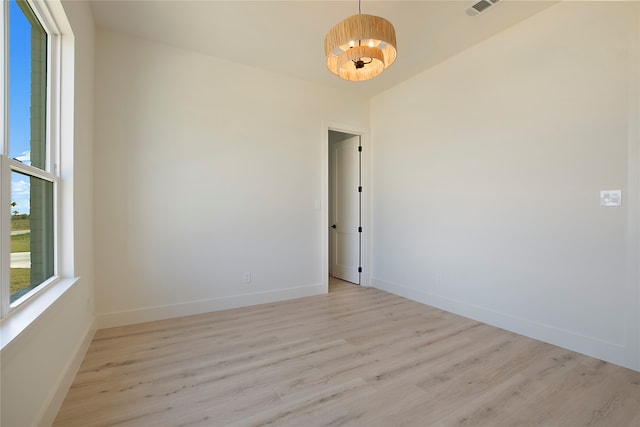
point(366, 200)
point(65, 221)
point(5, 171)
point(18, 166)
point(169, 311)
point(42, 10)
point(324, 206)
point(613, 352)
point(4, 87)
point(633, 198)
point(40, 288)
point(365, 279)
point(53, 20)
point(52, 16)
point(54, 402)
point(19, 320)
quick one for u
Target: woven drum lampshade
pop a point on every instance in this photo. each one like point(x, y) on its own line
point(360, 47)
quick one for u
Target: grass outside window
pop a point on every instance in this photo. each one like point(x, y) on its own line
point(20, 277)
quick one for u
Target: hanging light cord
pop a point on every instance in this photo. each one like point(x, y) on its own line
point(360, 62)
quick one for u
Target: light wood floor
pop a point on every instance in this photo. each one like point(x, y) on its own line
point(354, 357)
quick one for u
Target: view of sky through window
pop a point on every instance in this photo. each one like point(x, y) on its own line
point(19, 102)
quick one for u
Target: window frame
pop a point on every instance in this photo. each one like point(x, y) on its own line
point(50, 173)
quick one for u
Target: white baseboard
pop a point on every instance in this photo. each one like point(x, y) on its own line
point(148, 314)
point(616, 353)
point(49, 412)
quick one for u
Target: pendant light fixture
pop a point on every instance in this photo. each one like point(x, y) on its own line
point(360, 47)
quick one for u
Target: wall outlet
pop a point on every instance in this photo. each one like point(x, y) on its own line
point(246, 277)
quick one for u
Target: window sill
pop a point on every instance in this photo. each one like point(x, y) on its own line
point(26, 314)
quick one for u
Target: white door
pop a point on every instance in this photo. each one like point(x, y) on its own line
point(345, 208)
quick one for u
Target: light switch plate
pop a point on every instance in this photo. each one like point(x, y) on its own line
point(611, 198)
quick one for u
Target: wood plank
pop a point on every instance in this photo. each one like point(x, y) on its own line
point(355, 357)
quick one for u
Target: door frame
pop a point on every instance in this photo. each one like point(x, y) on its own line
point(365, 162)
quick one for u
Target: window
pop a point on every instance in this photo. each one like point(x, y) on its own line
point(28, 156)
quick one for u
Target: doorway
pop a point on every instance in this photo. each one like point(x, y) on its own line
point(345, 206)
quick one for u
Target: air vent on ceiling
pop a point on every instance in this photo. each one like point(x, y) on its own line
point(480, 7)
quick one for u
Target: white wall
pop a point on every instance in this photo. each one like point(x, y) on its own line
point(39, 365)
point(486, 178)
point(205, 169)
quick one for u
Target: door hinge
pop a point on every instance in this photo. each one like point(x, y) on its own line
point(360, 189)
point(359, 147)
point(359, 269)
point(359, 229)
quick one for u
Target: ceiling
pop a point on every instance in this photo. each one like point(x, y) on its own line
point(287, 36)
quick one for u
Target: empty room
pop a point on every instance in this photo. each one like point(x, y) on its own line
point(310, 213)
